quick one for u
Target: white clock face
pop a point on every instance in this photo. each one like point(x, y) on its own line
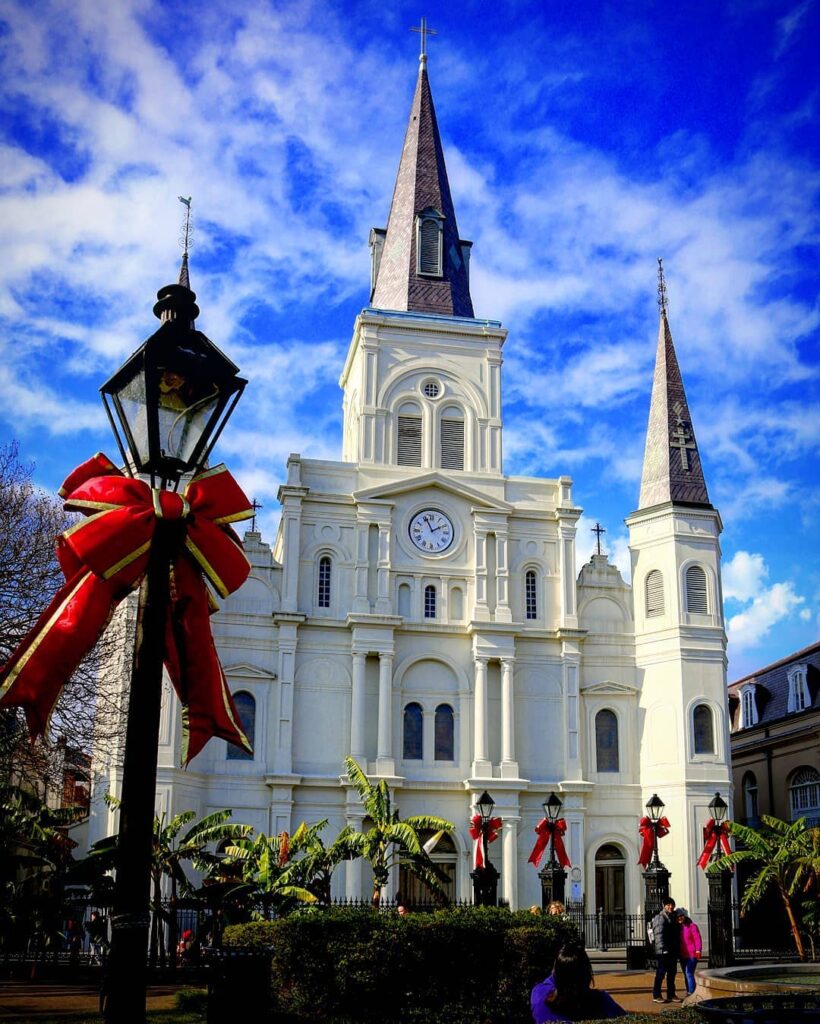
point(431, 531)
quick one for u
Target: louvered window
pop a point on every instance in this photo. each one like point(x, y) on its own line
point(323, 596)
point(452, 444)
point(430, 602)
point(409, 446)
point(429, 247)
point(654, 593)
point(530, 594)
point(696, 590)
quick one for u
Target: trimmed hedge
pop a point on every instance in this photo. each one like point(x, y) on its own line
point(473, 965)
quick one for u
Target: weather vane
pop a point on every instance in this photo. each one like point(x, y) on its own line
point(187, 229)
point(663, 299)
point(597, 529)
point(424, 32)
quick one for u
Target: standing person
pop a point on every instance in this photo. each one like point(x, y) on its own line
point(666, 939)
point(568, 993)
point(691, 947)
point(97, 929)
point(556, 908)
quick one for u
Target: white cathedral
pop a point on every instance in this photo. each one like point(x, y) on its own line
point(422, 611)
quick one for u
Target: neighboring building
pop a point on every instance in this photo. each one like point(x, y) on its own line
point(423, 612)
point(775, 716)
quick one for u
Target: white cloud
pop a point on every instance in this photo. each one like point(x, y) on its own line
point(743, 576)
point(751, 627)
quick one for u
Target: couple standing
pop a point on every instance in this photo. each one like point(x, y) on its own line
point(676, 937)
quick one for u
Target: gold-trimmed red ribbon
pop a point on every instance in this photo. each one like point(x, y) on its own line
point(645, 828)
point(493, 827)
point(712, 835)
point(544, 830)
point(103, 558)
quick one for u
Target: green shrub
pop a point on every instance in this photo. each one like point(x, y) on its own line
point(370, 966)
point(195, 1000)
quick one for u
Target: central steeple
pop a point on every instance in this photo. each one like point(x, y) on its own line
point(420, 264)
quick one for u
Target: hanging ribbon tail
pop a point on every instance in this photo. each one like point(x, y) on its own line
point(645, 832)
point(195, 670)
point(711, 834)
point(478, 846)
point(560, 849)
point(51, 651)
point(542, 831)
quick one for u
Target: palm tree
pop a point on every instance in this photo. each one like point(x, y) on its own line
point(263, 861)
point(389, 840)
point(314, 869)
point(787, 853)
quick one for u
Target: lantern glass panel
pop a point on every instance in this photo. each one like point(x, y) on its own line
point(186, 405)
point(485, 805)
point(131, 402)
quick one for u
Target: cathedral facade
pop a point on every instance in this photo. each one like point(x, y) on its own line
point(423, 612)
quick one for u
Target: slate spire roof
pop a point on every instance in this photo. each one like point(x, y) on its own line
point(672, 469)
point(421, 186)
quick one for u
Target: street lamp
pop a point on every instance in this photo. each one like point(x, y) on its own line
point(485, 877)
point(721, 948)
point(553, 876)
point(656, 877)
point(167, 405)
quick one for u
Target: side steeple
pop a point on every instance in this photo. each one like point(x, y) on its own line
point(672, 469)
point(420, 264)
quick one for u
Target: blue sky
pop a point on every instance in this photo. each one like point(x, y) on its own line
point(582, 141)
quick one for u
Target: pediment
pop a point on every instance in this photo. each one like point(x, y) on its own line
point(610, 688)
point(435, 480)
point(241, 670)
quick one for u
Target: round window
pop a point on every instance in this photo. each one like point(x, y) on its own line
point(431, 389)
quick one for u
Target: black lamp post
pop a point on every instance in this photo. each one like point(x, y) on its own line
point(553, 876)
point(721, 947)
point(656, 877)
point(167, 405)
point(485, 879)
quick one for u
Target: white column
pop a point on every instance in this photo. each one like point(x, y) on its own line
point(357, 710)
point(480, 608)
point(509, 766)
point(384, 603)
point(360, 599)
point(503, 612)
point(384, 750)
point(481, 756)
point(509, 862)
point(353, 868)
point(283, 713)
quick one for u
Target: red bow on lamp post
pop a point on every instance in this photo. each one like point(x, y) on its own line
point(714, 836)
point(103, 558)
point(546, 830)
point(477, 828)
point(647, 829)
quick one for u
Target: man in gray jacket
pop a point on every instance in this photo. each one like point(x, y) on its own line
point(666, 938)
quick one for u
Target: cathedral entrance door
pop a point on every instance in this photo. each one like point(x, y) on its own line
point(610, 893)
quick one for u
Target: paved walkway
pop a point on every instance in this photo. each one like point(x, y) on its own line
point(46, 999)
point(633, 990)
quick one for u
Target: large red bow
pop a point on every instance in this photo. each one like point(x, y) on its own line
point(646, 828)
point(544, 830)
point(712, 834)
point(493, 827)
point(103, 558)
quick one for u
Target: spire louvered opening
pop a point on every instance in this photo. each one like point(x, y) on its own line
point(452, 440)
point(654, 593)
point(408, 447)
point(429, 246)
point(696, 590)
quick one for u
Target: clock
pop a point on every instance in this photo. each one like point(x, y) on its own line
point(431, 531)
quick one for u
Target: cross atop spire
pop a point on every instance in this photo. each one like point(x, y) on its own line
point(663, 298)
point(424, 32)
point(598, 530)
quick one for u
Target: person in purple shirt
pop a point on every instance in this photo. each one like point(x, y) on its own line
point(567, 994)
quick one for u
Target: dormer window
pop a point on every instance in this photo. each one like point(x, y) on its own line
point(748, 707)
point(799, 698)
point(430, 243)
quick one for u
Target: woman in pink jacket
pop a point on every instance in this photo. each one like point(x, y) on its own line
point(691, 947)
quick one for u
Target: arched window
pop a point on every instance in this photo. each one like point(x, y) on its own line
point(404, 599)
point(654, 593)
point(451, 438)
point(804, 795)
point(429, 601)
point(325, 573)
point(246, 709)
point(606, 741)
point(429, 245)
point(531, 594)
point(445, 733)
point(749, 787)
point(696, 590)
point(704, 730)
point(748, 707)
point(408, 439)
point(413, 724)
